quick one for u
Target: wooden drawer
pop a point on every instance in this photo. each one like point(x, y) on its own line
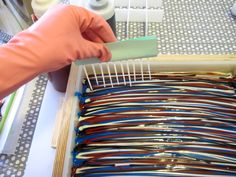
point(63, 160)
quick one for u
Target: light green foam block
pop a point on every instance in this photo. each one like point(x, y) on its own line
point(128, 49)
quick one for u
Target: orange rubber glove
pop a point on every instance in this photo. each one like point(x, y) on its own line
point(62, 35)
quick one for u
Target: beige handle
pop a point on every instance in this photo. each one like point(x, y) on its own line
point(58, 124)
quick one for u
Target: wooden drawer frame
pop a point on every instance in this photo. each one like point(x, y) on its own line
point(63, 159)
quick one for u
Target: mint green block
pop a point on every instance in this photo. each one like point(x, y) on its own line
point(128, 49)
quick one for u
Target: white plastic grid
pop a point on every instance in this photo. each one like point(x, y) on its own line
point(139, 11)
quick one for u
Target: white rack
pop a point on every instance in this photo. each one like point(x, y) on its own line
point(138, 3)
point(139, 11)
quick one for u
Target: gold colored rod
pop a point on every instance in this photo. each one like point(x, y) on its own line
point(184, 58)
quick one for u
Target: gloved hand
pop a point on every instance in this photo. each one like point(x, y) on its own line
point(62, 35)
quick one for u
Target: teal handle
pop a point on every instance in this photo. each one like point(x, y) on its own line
point(142, 47)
